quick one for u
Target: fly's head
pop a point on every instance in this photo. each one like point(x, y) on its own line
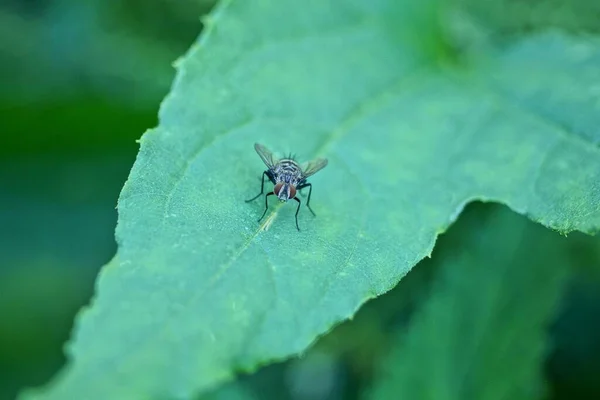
point(284, 191)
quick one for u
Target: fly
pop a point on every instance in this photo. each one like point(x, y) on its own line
point(288, 177)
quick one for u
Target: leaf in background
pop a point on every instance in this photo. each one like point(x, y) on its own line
point(118, 51)
point(482, 334)
point(413, 131)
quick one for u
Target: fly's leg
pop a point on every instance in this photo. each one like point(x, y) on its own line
point(266, 205)
point(297, 210)
point(262, 188)
point(309, 193)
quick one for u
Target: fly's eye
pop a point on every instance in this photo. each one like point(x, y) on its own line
point(277, 189)
point(292, 192)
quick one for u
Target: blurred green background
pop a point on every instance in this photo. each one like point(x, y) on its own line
point(82, 80)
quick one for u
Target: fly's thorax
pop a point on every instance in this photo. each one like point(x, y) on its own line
point(288, 171)
point(284, 191)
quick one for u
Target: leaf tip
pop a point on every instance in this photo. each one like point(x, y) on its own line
point(177, 63)
point(207, 20)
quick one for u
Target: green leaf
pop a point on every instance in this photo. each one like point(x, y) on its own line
point(482, 334)
point(413, 130)
point(233, 391)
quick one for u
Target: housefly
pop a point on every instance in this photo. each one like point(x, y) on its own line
point(288, 177)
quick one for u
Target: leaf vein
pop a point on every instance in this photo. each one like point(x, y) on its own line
point(190, 161)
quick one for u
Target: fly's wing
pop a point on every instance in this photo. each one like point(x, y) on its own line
point(312, 167)
point(266, 155)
